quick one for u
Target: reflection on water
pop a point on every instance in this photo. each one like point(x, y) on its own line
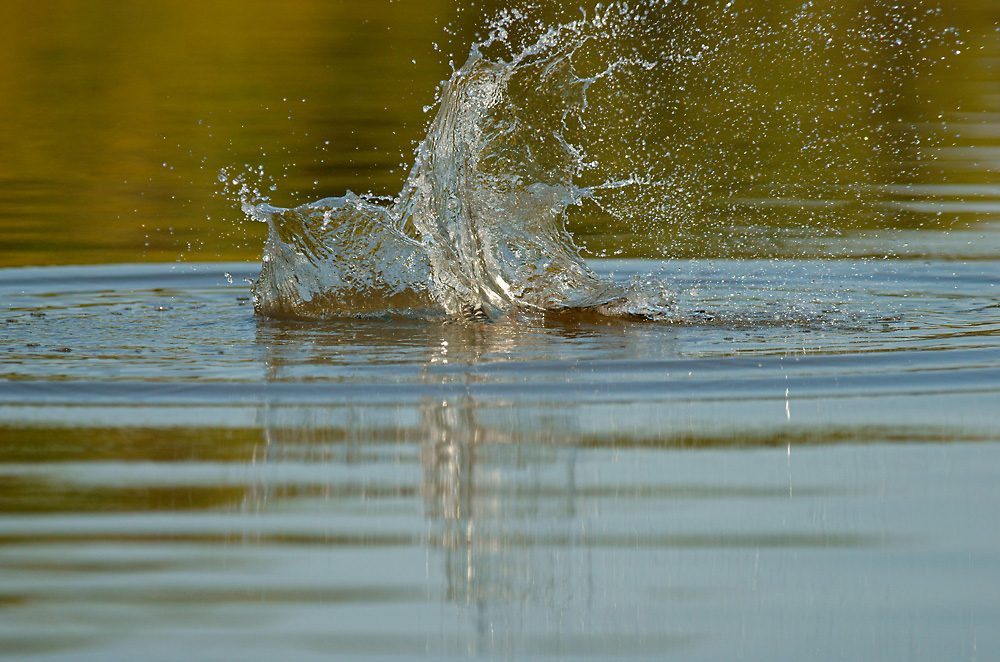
point(835, 115)
point(457, 528)
point(785, 461)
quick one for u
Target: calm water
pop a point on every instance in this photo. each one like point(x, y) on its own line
point(798, 464)
point(754, 481)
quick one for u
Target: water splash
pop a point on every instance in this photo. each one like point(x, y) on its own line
point(594, 116)
point(480, 221)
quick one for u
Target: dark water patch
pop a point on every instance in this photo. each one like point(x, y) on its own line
point(180, 444)
point(93, 566)
point(515, 539)
point(797, 436)
point(330, 541)
point(37, 495)
point(47, 643)
point(221, 596)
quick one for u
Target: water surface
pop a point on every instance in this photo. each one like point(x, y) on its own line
point(750, 481)
point(791, 453)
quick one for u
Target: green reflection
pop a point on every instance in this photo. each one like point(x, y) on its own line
point(126, 444)
point(38, 496)
point(119, 116)
point(464, 453)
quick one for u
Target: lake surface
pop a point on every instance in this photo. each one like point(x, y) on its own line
point(753, 481)
point(798, 463)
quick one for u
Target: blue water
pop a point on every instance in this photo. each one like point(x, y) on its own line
point(801, 465)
